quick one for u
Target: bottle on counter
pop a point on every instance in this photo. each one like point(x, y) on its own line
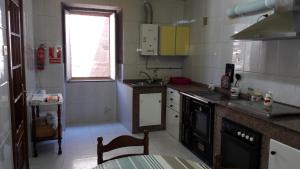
point(225, 81)
point(268, 100)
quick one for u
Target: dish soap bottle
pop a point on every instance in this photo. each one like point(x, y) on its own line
point(268, 100)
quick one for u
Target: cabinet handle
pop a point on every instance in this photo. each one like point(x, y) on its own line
point(176, 116)
point(159, 101)
point(273, 152)
point(171, 105)
point(171, 92)
point(171, 99)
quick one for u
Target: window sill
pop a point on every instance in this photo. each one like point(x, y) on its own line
point(89, 80)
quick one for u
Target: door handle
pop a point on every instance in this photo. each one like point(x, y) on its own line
point(23, 89)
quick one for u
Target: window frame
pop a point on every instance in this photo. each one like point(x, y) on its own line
point(100, 11)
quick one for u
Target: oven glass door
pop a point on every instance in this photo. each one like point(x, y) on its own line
point(202, 149)
point(201, 119)
point(238, 154)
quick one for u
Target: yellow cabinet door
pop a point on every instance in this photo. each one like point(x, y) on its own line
point(167, 40)
point(182, 40)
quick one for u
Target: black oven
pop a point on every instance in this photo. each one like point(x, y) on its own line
point(240, 146)
point(201, 119)
point(197, 127)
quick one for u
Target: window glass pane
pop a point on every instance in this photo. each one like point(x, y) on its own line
point(89, 36)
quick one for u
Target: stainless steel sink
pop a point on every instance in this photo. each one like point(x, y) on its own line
point(146, 84)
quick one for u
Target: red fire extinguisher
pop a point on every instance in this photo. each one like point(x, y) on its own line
point(40, 59)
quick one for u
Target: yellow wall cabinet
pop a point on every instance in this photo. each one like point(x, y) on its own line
point(174, 40)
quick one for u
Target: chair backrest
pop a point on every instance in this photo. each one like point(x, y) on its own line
point(121, 142)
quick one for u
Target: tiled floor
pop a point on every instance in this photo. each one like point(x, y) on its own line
point(79, 147)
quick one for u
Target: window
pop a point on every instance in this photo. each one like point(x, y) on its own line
point(90, 45)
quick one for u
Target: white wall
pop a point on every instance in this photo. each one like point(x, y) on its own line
point(47, 28)
point(90, 102)
point(29, 55)
point(165, 12)
point(6, 157)
point(125, 105)
point(273, 65)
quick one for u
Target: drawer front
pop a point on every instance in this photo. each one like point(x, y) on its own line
point(172, 105)
point(173, 100)
point(172, 123)
point(173, 96)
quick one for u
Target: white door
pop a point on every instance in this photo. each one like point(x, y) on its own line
point(282, 156)
point(150, 109)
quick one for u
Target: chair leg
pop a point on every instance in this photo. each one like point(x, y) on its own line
point(100, 150)
point(35, 154)
point(59, 146)
point(146, 142)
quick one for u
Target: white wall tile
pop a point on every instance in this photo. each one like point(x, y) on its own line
point(289, 57)
point(252, 57)
point(90, 102)
point(50, 8)
point(50, 28)
point(131, 32)
point(270, 65)
point(270, 57)
point(5, 117)
point(6, 154)
point(2, 14)
point(132, 10)
point(3, 59)
point(130, 55)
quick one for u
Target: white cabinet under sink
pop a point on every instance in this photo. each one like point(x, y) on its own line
point(150, 109)
point(282, 156)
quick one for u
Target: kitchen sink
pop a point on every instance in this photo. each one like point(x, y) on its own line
point(147, 84)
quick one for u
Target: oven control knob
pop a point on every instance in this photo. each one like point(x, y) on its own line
point(251, 139)
point(247, 137)
point(243, 135)
point(239, 133)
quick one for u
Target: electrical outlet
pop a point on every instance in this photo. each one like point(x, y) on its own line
point(4, 49)
point(205, 21)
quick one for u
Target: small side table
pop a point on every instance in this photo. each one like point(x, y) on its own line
point(35, 110)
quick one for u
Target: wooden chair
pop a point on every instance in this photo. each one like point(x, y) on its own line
point(121, 142)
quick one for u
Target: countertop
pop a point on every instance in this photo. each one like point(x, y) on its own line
point(291, 122)
point(186, 88)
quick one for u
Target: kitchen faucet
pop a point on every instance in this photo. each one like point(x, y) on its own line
point(150, 79)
